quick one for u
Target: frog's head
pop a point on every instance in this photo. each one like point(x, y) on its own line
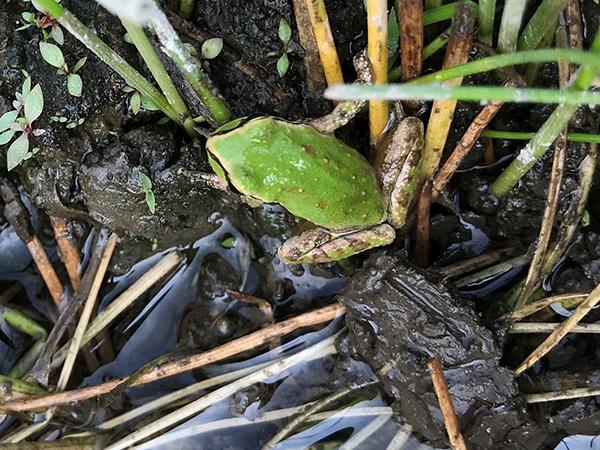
point(212, 147)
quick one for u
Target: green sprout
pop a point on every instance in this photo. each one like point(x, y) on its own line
point(147, 189)
point(53, 55)
point(211, 48)
point(138, 101)
point(285, 34)
point(69, 124)
point(28, 105)
point(50, 28)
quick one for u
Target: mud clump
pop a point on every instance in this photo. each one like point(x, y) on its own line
point(394, 313)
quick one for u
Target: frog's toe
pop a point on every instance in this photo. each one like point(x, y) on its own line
point(320, 245)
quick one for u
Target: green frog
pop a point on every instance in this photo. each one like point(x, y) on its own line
point(356, 206)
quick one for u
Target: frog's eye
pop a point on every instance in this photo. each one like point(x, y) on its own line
point(232, 124)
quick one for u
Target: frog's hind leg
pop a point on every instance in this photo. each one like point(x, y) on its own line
point(321, 245)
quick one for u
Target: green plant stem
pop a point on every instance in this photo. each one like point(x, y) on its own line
point(445, 12)
point(189, 67)
point(409, 91)
point(22, 386)
point(186, 9)
point(525, 136)
point(487, 11)
point(540, 23)
point(548, 132)
point(144, 46)
point(131, 76)
point(430, 4)
point(533, 70)
point(437, 44)
point(23, 323)
point(26, 362)
point(512, 16)
point(488, 63)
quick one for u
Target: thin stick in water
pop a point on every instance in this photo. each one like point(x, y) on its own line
point(422, 233)
point(86, 313)
point(251, 341)
point(457, 442)
point(17, 216)
point(477, 262)
point(565, 327)
point(68, 251)
point(465, 145)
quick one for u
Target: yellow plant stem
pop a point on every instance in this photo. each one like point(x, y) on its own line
point(327, 52)
point(442, 111)
point(377, 50)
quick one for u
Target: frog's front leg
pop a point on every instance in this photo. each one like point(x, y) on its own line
point(345, 111)
point(321, 245)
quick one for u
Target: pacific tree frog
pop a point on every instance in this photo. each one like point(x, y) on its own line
point(317, 177)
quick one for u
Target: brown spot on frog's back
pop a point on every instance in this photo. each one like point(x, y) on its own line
point(309, 150)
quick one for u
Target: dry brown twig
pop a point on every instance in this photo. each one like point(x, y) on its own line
point(422, 233)
point(477, 263)
point(410, 23)
point(564, 299)
point(68, 251)
point(554, 338)
point(237, 346)
point(465, 145)
point(17, 215)
point(457, 442)
point(315, 79)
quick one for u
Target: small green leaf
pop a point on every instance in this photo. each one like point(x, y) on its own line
point(52, 54)
point(127, 38)
point(70, 125)
point(79, 64)
point(7, 118)
point(283, 64)
point(228, 242)
point(6, 136)
point(211, 48)
point(135, 103)
point(17, 151)
point(585, 218)
point(148, 104)
point(26, 88)
point(80, 120)
point(24, 27)
point(28, 16)
point(163, 121)
point(34, 104)
point(145, 181)
point(57, 34)
point(62, 119)
point(284, 32)
point(150, 201)
point(74, 84)
point(393, 33)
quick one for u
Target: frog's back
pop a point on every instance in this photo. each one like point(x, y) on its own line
point(312, 175)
